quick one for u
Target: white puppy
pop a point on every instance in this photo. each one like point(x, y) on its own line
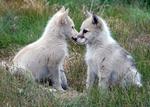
point(105, 58)
point(44, 58)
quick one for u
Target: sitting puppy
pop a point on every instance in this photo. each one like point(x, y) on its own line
point(104, 57)
point(44, 58)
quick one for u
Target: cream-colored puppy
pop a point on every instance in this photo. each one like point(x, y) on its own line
point(104, 57)
point(44, 58)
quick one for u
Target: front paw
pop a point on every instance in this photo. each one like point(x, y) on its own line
point(64, 86)
point(60, 89)
point(64, 83)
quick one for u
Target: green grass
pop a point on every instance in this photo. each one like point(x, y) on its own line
point(21, 24)
point(21, 91)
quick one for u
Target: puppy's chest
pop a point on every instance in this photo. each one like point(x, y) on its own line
point(89, 56)
point(93, 56)
point(64, 47)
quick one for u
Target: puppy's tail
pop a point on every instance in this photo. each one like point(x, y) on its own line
point(136, 77)
point(138, 80)
point(4, 65)
point(7, 66)
point(15, 70)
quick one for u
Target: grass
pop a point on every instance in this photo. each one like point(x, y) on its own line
point(22, 93)
point(22, 22)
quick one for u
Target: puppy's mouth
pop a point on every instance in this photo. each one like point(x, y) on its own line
point(74, 39)
point(80, 40)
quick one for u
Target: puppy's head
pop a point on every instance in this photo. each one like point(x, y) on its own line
point(90, 29)
point(65, 23)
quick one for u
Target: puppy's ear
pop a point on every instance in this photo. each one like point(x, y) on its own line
point(67, 11)
point(88, 14)
point(62, 9)
point(95, 19)
point(63, 18)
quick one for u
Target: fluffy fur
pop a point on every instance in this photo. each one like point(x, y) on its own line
point(104, 57)
point(45, 57)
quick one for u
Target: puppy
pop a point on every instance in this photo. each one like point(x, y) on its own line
point(104, 57)
point(44, 58)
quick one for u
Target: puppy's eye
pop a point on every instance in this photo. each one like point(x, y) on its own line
point(85, 31)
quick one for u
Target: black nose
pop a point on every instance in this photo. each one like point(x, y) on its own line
point(81, 36)
point(73, 38)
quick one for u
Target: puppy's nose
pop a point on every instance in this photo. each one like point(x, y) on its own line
point(81, 36)
point(74, 38)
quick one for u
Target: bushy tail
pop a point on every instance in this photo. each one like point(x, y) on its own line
point(136, 77)
point(14, 70)
point(138, 80)
point(4, 65)
point(8, 66)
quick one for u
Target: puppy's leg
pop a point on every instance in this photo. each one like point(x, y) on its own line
point(64, 83)
point(55, 78)
point(90, 78)
point(103, 81)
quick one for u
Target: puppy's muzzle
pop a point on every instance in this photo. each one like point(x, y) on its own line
point(74, 38)
point(80, 36)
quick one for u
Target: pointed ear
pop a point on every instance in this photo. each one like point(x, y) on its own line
point(67, 11)
point(63, 18)
point(62, 9)
point(95, 19)
point(88, 14)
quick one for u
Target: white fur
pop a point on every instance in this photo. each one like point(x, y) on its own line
point(104, 56)
point(45, 57)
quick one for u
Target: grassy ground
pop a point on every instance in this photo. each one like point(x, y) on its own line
point(23, 21)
